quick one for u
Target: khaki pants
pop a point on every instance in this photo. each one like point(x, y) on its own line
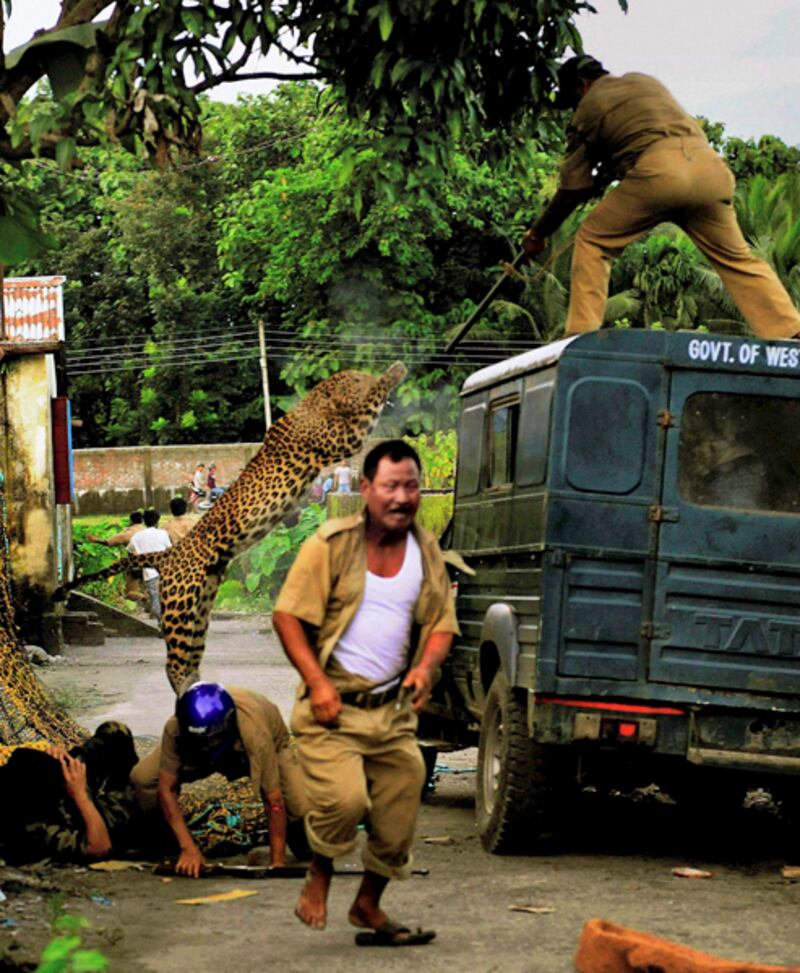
point(144, 778)
point(134, 588)
point(369, 769)
point(681, 181)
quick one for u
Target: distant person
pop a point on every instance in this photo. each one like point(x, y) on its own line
point(69, 806)
point(181, 523)
point(199, 479)
point(214, 491)
point(317, 496)
point(133, 580)
point(327, 486)
point(343, 478)
point(233, 732)
point(149, 541)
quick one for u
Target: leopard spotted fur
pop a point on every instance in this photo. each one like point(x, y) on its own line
point(329, 425)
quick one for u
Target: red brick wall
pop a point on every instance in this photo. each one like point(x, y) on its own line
point(120, 480)
point(125, 478)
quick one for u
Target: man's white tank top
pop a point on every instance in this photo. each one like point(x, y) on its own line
point(376, 642)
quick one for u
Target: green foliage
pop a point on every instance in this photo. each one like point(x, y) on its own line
point(435, 511)
point(90, 557)
point(437, 454)
point(255, 577)
point(64, 953)
point(168, 272)
point(769, 156)
point(362, 291)
point(419, 73)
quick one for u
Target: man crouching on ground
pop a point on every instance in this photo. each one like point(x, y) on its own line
point(366, 616)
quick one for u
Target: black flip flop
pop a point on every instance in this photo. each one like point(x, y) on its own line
point(393, 934)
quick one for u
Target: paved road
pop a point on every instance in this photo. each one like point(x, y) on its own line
point(615, 863)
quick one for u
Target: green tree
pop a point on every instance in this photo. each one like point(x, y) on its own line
point(419, 72)
point(157, 344)
point(769, 214)
point(357, 278)
point(767, 156)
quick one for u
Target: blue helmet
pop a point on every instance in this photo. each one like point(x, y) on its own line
point(206, 717)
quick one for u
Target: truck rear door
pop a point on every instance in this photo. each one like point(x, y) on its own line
point(726, 608)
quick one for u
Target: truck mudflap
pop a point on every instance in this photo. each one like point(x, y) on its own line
point(766, 742)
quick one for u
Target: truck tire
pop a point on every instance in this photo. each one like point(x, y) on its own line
point(516, 794)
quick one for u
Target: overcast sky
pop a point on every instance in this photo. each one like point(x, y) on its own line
point(735, 61)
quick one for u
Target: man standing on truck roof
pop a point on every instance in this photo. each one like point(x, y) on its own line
point(632, 129)
point(366, 616)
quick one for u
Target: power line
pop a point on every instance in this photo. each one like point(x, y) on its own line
point(383, 357)
point(211, 340)
point(87, 174)
point(289, 348)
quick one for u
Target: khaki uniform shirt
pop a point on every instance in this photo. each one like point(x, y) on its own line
point(326, 583)
point(179, 527)
point(124, 536)
point(615, 121)
point(262, 735)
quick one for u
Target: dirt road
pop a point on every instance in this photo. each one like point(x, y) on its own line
point(615, 863)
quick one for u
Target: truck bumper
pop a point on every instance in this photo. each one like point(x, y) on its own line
point(756, 741)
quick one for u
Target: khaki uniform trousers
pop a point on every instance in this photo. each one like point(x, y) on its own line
point(369, 769)
point(682, 181)
point(144, 778)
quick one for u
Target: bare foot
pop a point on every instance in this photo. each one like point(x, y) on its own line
point(311, 907)
point(365, 917)
point(366, 912)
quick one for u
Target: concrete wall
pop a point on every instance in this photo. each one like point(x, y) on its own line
point(37, 529)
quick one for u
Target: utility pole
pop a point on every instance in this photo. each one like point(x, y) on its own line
point(262, 341)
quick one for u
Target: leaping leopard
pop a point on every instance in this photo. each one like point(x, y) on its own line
point(329, 425)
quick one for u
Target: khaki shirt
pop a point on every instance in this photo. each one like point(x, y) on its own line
point(262, 735)
point(179, 527)
point(615, 121)
point(326, 583)
point(124, 536)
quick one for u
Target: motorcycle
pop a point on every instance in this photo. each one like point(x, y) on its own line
point(201, 499)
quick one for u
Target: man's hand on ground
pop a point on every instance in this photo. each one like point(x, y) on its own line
point(532, 244)
point(190, 862)
point(326, 704)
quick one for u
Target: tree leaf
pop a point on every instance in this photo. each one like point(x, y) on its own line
point(385, 22)
point(65, 153)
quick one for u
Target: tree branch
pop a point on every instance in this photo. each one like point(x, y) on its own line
point(22, 78)
point(254, 76)
point(292, 55)
point(46, 150)
point(79, 12)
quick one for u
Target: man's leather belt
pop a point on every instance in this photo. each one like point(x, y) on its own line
point(368, 700)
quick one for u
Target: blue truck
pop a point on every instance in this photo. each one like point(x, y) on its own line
point(630, 503)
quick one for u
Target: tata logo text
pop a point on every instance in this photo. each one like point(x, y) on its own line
point(748, 636)
point(747, 353)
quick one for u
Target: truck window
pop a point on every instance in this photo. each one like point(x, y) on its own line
point(534, 435)
point(740, 451)
point(470, 450)
point(503, 442)
point(604, 451)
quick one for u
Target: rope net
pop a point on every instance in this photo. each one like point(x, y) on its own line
point(28, 716)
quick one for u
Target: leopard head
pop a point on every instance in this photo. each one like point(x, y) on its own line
point(337, 416)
